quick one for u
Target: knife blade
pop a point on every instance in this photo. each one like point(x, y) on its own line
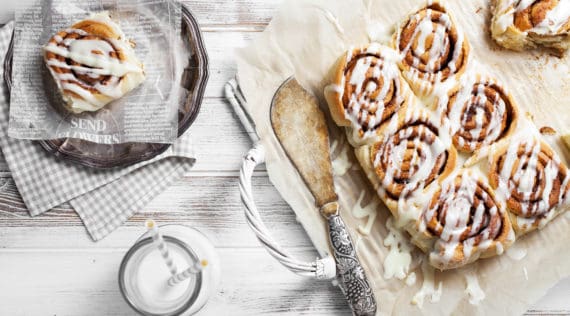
point(300, 126)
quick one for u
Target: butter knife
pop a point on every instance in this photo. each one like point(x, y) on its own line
point(300, 126)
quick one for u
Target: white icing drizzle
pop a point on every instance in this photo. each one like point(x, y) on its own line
point(375, 85)
point(341, 163)
point(426, 147)
point(517, 252)
point(463, 219)
point(472, 289)
point(485, 126)
point(370, 211)
point(411, 279)
point(94, 58)
point(524, 168)
point(554, 20)
point(438, 32)
point(397, 262)
point(428, 288)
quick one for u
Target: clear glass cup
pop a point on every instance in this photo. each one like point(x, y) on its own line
point(143, 275)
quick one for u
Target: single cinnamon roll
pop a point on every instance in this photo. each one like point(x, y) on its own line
point(533, 179)
point(432, 48)
point(480, 112)
point(412, 154)
point(464, 221)
point(520, 25)
point(366, 91)
point(92, 63)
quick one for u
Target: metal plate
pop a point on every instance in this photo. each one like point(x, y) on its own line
point(103, 156)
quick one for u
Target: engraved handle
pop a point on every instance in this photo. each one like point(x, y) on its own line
point(352, 278)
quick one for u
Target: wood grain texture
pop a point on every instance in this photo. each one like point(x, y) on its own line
point(49, 265)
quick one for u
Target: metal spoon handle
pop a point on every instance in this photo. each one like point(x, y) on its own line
point(351, 275)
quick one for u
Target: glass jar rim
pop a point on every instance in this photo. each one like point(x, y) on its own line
point(144, 242)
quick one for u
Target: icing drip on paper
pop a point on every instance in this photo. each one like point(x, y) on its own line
point(411, 279)
point(516, 252)
point(428, 288)
point(341, 163)
point(378, 32)
point(476, 294)
point(369, 211)
point(525, 271)
point(397, 262)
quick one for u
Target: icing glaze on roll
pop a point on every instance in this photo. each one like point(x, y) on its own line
point(367, 91)
point(433, 49)
point(92, 64)
point(533, 180)
point(480, 112)
point(413, 154)
point(466, 221)
point(521, 24)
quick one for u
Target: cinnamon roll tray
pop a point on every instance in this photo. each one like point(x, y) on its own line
point(419, 90)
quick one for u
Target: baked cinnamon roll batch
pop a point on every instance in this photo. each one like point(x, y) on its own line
point(421, 115)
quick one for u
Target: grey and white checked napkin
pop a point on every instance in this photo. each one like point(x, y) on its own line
point(104, 199)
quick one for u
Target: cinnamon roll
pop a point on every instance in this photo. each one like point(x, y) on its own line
point(432, 48)
point(480, 112)
point(366, 91)
point(412, 154)
point(92, 63)
point(465, 221)
point(533, 179)
point(519, 25)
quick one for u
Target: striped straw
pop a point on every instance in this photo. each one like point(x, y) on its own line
point(193, 269)
point(161, 245)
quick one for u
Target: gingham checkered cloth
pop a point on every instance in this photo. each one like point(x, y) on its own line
point(104, 199)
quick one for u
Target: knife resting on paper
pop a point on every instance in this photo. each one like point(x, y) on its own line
point(300, 126)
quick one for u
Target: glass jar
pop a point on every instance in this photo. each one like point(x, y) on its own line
point(143, 274)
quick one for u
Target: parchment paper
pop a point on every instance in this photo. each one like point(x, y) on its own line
point(304, 39)
point(149, 113)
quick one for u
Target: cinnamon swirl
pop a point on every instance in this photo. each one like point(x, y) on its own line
point(533, 179)
point(366, 91)
point(464, 221)
point(519, 25)
point(480, 112)
point(412, 154)
point(432, 48)
point(92, 64)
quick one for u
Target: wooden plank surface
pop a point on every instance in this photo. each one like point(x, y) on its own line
point(49, 266)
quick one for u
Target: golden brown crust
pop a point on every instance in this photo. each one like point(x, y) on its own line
point(85, 77)
point(461, 236)
point(480, 113)
point(535, 181)
point(406, 150)
point(366, 91)
point(520, 28)
point(449, 45)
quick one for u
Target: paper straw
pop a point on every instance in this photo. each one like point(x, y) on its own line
point(194, 269)
point(161, 245)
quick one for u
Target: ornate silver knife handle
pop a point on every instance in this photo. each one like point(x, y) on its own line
point(352, 277)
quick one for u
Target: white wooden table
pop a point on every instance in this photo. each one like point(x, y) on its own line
point(49, 265)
